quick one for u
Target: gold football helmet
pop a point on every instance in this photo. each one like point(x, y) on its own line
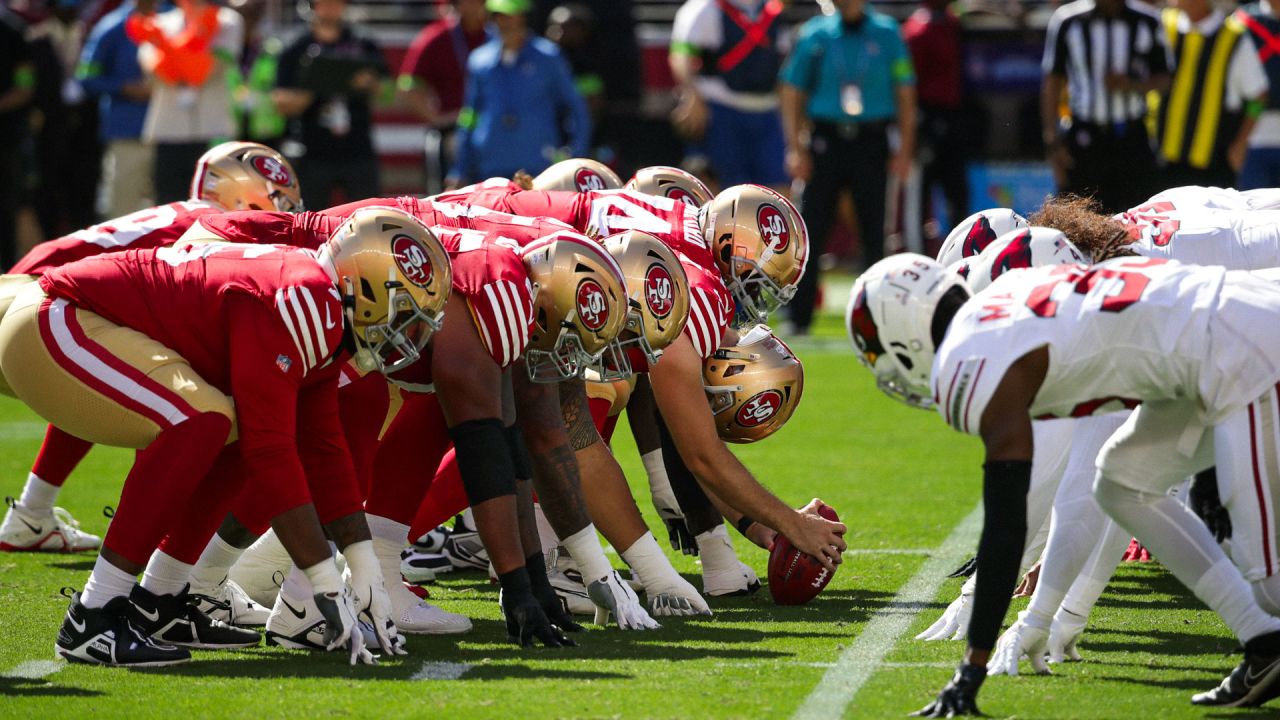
point(760, 244)
point(657, 299)
point(670, 182)
point(579, 305)
point(394, 277)
point(246, 176)
point(577, 175)
point(753, 387)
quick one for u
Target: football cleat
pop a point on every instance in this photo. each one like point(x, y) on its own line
point(433, 540)
point(571, 591)
point(1254, 681)
point(1136, 552)
point(298, 625)
point(464, 548)
point(107, 636)
point(415, 616)
point(232, 605)
point(422, 567)
point(54, 531)
point(262, 568)
point(175, 619)
point(722, 582)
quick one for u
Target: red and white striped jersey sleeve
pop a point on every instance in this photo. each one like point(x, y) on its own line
point(312, 317)
point(492, 278)
point(710, 308)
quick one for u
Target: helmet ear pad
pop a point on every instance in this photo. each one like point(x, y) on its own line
point(948, 305)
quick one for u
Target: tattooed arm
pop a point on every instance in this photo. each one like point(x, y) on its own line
point(555, 469)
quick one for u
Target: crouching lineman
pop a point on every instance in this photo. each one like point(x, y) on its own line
point(1028, 347)
point(178, 351)
point(230, 176)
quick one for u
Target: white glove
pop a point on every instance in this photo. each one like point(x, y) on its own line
point(673, 596)
point(1018, 641)
point(364, 576)
point(954, 623)
point(1064, 633)
point(612, 595)
point(339, 613)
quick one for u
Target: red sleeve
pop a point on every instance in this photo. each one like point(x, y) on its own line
point(265, 380)
point(710, 310)
point(497, 290)
point(322, 446)
point(567, 207)
point(256, 227)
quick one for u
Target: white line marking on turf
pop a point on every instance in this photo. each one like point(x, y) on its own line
point(441, 671)
point(939, 664)
point(866, 653)
point(35, 669)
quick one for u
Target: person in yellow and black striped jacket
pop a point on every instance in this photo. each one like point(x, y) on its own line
point(1218, 91)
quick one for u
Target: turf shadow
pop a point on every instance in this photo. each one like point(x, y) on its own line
point(76, 565)
point(1158, 642)
point(334, 665)
point(25, 687)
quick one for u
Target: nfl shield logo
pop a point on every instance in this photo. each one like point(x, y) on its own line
point(284, 363)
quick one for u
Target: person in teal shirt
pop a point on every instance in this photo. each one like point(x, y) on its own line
point(847, 81)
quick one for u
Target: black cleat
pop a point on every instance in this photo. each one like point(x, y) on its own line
point(176, 619)
point(107, 636)
point(1254, 681)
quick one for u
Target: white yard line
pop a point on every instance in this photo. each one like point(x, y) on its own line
point(866, 653)
point(35, 669)
point(441, 671)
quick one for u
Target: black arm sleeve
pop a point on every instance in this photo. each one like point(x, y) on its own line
point(1004, 532)
point(700, 515)
point(484, 459)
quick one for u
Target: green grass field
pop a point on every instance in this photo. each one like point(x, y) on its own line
point(901, 480)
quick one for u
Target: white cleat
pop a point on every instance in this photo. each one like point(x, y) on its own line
point(572, 593)
point(232, 605)
point(420, 567)
point(261, 569)
point(298, 625)
point(415, 616)
point(722, 572)
point(54, 531)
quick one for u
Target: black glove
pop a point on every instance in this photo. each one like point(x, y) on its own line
point(546, 595)
point(678, 532)
point(525, 617)
point(1206, 503)
point(959, 697)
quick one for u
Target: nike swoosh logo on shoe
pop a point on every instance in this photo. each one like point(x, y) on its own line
point(153, 616)
point(37, 529)
point(1250, 679)
point(77, 624)
point(300, 614)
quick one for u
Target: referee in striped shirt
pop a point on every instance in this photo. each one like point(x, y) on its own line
point(1106, 54)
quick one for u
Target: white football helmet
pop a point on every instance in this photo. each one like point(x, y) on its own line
point(978, 231)
point(890, 321)
point(1024, 248)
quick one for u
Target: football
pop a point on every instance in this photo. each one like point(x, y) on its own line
point(794, 577)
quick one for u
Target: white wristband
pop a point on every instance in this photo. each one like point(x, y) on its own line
point(584, 548)
point(324, 577)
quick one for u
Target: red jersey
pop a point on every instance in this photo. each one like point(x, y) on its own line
point(523, 230)
point(600, 213)
point(487, 269)
point(260, 323)
point(149, 228)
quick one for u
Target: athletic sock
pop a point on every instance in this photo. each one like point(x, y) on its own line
point(105, 583)
point(716, 550)
point(1097, 571)
point(38, 496)
point(647, 560)
point(214, 565)
point(388, 540)
point(296, 586)
point(546, 535)
point(165, 575)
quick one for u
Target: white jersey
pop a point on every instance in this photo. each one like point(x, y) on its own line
point(1233, 239)
point(1119, 333)
point(1189, 197)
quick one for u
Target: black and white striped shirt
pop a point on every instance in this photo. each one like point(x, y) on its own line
point(1084, 45)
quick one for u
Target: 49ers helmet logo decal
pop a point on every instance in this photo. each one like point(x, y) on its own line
point(675, 192)
point(272, 169)
point(759, 409)
point(659, 291)
point(587, 180)
point(591, 305)
point(773, 228)
point(413, 261)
